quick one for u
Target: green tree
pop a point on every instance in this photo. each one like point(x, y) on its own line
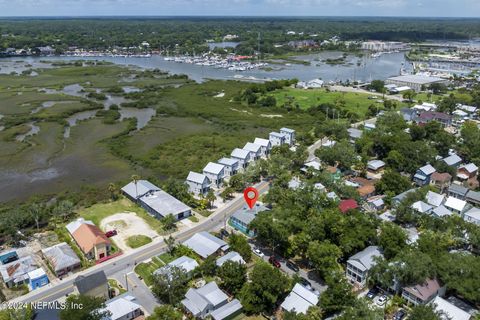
point(409, 95)
point(240, 244)
point(342, 153)
point(266, 286)
point(324, 256)
point(17, 314)
point(392, 182)
point(168, 222)
point(377, 85)
point(422, 312)
point(208, 267)
point(210, 198)
point(166, 312)
point(92, 308)
point(233, 275)
point(361, 310)
point(392, 239)
point(170, 287)
point(338, 295)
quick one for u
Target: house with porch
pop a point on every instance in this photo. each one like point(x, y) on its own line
point(289, 135)
point(240, 219)
point(242, 156)
point(276, 139)
point(90, 239)
point(299, 300)
point(423, 293)
point(472, 216)
point(457, 191)
point(215, 173)
point(198, 183)
point(453, 160)
point(61, 258)
point(255, 149)
point(123, 307)
point(230, 165)
point(137, 189)
point(360, 264)
point(423, 175)
point(265, 145)
point(204, 244)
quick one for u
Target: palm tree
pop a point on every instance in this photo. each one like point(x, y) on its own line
point(112, 188)
point(135, 179)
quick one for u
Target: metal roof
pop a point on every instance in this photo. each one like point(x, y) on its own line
point(288, 130)
point(213, 168)
point(434, 199)
point(263, 142)
point(231, 256)
point(204, 244)
point(226, 310)
point(74, 225)
point(228, 162)
point(363, 260)
point(449, 311)
point(163, 203)
point(415, 78)
point(240, 153)
point(452, 160)
point(186, 263)
point(455, 204)
point(375, 164)
point(441, 211)
point(142, 187)
point(196, 177)
point(121, 306)
point(252, 147)
point(299, 299)
point(61, 256)
point(427, 169)
point(198, 300)
point(246, 215)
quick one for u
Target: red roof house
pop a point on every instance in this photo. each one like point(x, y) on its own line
point(346, 205)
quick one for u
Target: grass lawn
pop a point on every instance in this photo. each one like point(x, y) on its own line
point(193, 219)
point(354, 102)
point(98, 212)
point(145, 270)
point(138, 241)
point(114, 284)
point(166, 257)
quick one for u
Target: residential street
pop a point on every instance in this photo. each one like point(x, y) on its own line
point(118, 266)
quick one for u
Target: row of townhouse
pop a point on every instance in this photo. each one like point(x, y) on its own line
point(214, 173)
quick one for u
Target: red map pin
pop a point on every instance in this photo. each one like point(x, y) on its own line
point(251, 196)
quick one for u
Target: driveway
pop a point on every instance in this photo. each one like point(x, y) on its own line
point(127, 224)
point(310, 275)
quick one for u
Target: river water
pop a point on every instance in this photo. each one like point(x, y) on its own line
point(364, 68)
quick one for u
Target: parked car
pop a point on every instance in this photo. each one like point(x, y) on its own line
point(304, 282)
point(292, 266)
point(399, 315)
point(372, 293)
point(224, 233)
point(111, 233)
point(274, 262)
point(259, 253)
point(381, 300)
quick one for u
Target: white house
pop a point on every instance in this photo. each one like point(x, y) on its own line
point(198, 183)
point(453, 160)
point(215, 173)
point(231, 256)
point(256, 149)
point(276, 139)
point(265, 144)
point(123, 307)
point(289, 135)
point(434, 199)
point(230, 165)
point(299, 300)
point(242, 156)
point(473, 216)
point(360, 264)
point(449, 311)
point(185, 263)
point(421, 207)
point(204, 244)
point(455, 205)
point(205, 300)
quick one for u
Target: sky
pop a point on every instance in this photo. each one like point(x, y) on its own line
point(408, 8)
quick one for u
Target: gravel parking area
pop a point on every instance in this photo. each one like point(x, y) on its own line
point(127, 224)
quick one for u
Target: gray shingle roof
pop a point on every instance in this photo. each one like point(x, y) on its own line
point(85, 284)
point(473, 195)
point(457, 189)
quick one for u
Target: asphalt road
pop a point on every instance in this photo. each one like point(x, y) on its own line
point(125, 263)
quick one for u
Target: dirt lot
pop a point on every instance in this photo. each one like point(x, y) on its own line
point(127, 224)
